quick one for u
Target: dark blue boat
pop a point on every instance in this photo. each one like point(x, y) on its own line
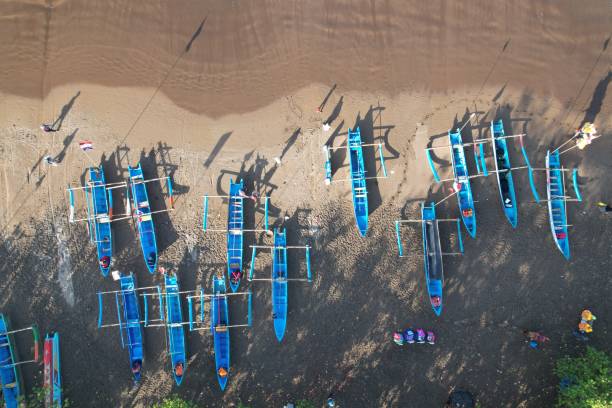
point(235, 226)
point(279, 283)
point(142, 215)
point(101, 213)
point(462, 182)
point(176, 332)
point(504, 172)
point(219, 328)
point(131, 326)
point(434, 268)
point(358, 180)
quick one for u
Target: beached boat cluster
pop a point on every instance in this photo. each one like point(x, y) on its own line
point(161, 306)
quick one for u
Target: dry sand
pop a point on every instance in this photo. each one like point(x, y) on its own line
point(204, 91)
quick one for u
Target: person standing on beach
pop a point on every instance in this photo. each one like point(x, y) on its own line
point(535, 338)
point(50, 161)
point(604, 207)
point(47, 128)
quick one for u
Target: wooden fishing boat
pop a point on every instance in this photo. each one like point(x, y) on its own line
point(279, 283)
point(434, 268)
point(462, 183)
point(100, 219)
point(235, 227)
point(358, 180)
point(9, 372)
point(176, 333)
point(141, 213)
point(219, 323)
point(52, 371)
point(503, 169)
point(557, 211)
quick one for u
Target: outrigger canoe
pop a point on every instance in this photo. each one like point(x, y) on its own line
point(279, 283)
point(133, 330)
point(100, 223)
point(9, 371)
point(176, 333)
point(462, 182)
point(235, 226)
point(557, 211)
point(434, 268)
point(52, 373)
point(219, 323)
point(358, 180)
point(504, 172)
point(142, 215)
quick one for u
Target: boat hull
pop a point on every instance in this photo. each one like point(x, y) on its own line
point(9, 373)
point(235, 225)
point(101, 218)
point(503, 168)
point(132, 328)
point(279, 283)
point(221, 339)
point(52, 372)
point(358, 181)
point(434, 269)
point(461, 175)
point(143, 217)
point(557, 211)
point(176, 332)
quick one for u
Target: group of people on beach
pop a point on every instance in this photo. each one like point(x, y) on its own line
point(585, 328)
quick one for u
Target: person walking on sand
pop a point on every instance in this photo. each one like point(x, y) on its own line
point(604, 207)
point(47, 128)
point(535, 338)
point(50, 161)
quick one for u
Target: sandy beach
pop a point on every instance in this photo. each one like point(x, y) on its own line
point(205, 91)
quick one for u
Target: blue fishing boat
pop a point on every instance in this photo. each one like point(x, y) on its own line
point(434, 269)
point(235, 226)
point(358, 180)
point(142, 215)
point(100, 222)
point(52, 371)
point(462, 183)
point(9, 372)
point(174, 322)
point(219, 322)
point(504, 172)
point(279, 283)
point(131, 326)
point(557, 211)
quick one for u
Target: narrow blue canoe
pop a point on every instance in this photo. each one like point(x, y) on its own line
point(235, 225)
point(142, 215)
point(101, 207)
point(504, 172)
point(460, 170)
point(557, 211)
point(279, 283)
point(358, 181)
point(434, 269)
point(9, 372)
point(176, 332)
point(219, 323)
point(52, 371)
point(131, 326)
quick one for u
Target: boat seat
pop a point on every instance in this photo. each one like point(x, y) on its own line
point(103, 219)
point(146, 217)
point(220, 329)
point(143, 204)
point(234, 265)
point(10, 385)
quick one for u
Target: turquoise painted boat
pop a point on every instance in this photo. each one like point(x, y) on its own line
point(219, 322)
point(52, 371)
point(143, 217)
point(504, 172)
point(557, 211)
point(176, 332)
point(235, 226)
point(462, 180)
point(100, 219)
point(358, 180)
point(434, 267)
point(279, 283)
point(10, 375)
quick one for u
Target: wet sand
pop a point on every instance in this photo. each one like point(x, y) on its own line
point(210, 91)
